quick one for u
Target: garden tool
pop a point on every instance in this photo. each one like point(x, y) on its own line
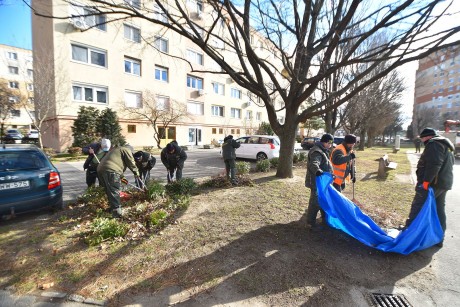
point(125, 181)
point(171, 178)
point(353, 174)
point(141, 183)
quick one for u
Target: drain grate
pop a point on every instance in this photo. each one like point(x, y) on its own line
point(389, 300)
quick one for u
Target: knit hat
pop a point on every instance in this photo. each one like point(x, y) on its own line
point(350, 139)
point(428, 132)
point(326, 138)
point(138, 156)
point(105, 144)
point(170, 147)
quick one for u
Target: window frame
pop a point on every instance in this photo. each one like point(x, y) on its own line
point(236, 93)
point(161, 70)
point(132, 62)
point(138, 99)
point(220, 86)
point(166, 105)
point(196, 105)
point(12, 55)
point(13, 70)
point(132, 33)
point(89, 52)
point(217, 111)
point(95, 90)
point(195, 56)
point(233, 112)
point(191, 80)
point(13, 84)
point(158, 44)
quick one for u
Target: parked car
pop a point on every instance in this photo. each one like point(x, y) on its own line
point(32, 134)
point(258, 147)
point(308, 142)
point(13, 136)
point(338, 140)
point(28, 180)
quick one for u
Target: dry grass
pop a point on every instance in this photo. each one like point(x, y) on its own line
point(49, 248)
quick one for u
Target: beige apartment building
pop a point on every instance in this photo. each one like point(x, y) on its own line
point(16, 71)
point(437, 85)
point(117, 64)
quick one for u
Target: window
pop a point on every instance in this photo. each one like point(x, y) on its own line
point(158, 14)
point(87, 93)
point(214, 131)
point(161, 44)
point(134, 3)
point(441, 82)
point(131, 128)
point(132, 66)
point(163, 103)
point(449, 105)
point(218, 88)
point(30, 87)
point(30, 73)
point(195, 5)
point(195, 108)
point(221, 131)
point(161, 73)
point(85, 14)
point(89, 55)
point(451, 88)
point(451, 80)
point(235, 113)
point(12, 56)
point(15, 113)
point(194, 82)
point(13, 84)
point(194, 57)
point(248, 115)
point(132, 33)
point(217, 111)
point(13, 70)
point(235, 93)
point(259, 116)
point(133, 99)
point(13, 99)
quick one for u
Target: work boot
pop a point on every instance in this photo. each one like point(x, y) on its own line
point(440, 244)
point(117, 213)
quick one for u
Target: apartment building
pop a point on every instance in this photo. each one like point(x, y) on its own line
point(16, 72)
point(116, 64)
point(437, 85)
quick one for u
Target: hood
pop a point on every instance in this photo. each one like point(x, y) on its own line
point(443, 140)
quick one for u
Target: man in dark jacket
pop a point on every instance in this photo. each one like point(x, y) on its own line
point(173, 158)
point(342, 158)
point(144, 162)
point(95, 155)
point(228, 153)
point(110, 172)
point(318, 163)
point(434, 169)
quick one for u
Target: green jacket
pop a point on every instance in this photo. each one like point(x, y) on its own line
point(228, 149)
point(117, 160)
point(436, 163)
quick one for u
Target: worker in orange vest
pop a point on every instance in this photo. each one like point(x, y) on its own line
point(342, 158)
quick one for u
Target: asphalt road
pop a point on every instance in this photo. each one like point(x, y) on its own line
point(199, 163)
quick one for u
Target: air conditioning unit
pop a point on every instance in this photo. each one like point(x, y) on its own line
point(79, 23)
point(201, 92)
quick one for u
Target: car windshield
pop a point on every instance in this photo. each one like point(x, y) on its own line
point(22, 160)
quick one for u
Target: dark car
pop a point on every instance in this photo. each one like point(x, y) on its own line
point(338, 140)
point(28, 180)
point(13, 136)
point(308, 142)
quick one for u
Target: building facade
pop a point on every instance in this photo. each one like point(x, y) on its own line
point(437, 87)
point(16, 72)
point(125, 65)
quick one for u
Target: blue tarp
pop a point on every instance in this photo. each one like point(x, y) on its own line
point(343, 214)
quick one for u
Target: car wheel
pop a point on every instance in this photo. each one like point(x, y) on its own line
point(261, 156)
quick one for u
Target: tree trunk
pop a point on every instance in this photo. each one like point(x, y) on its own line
point(287, 138)
point(362, 138)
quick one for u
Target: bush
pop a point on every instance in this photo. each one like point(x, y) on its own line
point(299, 157)
point(274, 162)
point(74, 151)
point(183, 186)
point(49, 151)
point(102, 229)
point(263, 166)
point(155, 190)
point(242, 168)
point(158, 217)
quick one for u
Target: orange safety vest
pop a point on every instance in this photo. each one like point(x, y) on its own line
point(339, 169)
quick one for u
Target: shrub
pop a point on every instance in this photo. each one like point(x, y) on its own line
point(184, 186)
point(158, 217)
point(274, 162)
point(74, 151)
point(242, 167)
point(49, 151)
point(102, 229)
point(299, 157)
point(155, 190)
point(263, 166)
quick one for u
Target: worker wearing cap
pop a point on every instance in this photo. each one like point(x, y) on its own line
point(94, 157)
point(144, 162)
point(434, 169)
point(229, 155)
point(110, 172)
point(342, 158)
point(173, 158)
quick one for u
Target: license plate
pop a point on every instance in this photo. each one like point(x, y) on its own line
point(14, 185)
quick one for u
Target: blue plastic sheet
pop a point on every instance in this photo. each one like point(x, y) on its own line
point(343, 214)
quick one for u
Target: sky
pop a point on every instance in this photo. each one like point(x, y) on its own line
point(15, 25)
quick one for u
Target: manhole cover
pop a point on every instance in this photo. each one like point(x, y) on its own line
point(389, 300)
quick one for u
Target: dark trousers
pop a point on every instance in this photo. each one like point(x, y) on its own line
point(419, 200)
point(177, 169)
point(112, 184)
point(91, 177)
point(339, 188)
point(313, 208)
point(230, 169)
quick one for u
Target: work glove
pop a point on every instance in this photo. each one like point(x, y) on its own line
point(352, 155)
point(353, 179)
point(425, 185)
point(319, 173)
point(124, 180)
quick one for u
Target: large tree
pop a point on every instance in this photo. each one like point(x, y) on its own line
point(10, 99)
point(302, 38)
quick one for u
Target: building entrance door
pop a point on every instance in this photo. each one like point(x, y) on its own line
point(194, 136)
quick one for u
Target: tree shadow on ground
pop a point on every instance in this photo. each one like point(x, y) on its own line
point(314, 268)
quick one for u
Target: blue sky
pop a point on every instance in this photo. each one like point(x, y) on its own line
point(15, 24)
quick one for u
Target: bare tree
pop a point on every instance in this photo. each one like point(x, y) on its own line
point(425, 117)
point(158, 112)
point(301, 39)
point(10, 99)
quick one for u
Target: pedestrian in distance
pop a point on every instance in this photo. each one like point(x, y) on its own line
point(173, 158)
point(95, 155)
point(434, 169)
point(144, 163)
point(318, 164)
point(342, 158)
point(228, 153)
point(110, 172)
point(418, 143)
